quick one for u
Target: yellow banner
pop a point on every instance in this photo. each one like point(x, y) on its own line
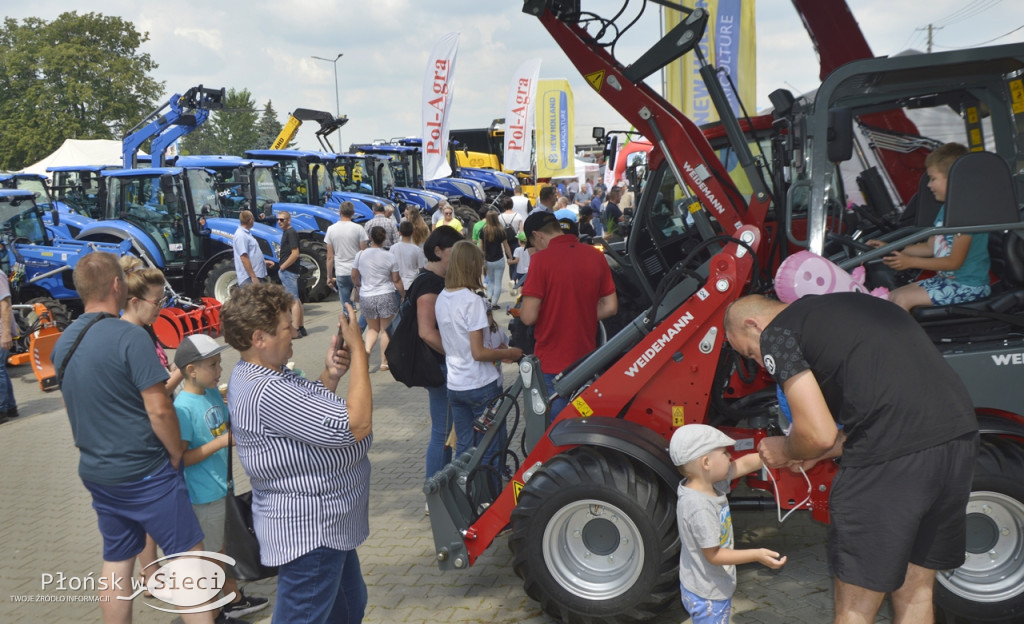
point(728, 44)
point(554, 129)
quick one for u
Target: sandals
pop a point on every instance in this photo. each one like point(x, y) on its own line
point(384, 367)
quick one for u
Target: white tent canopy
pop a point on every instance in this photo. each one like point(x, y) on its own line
point(80, 152)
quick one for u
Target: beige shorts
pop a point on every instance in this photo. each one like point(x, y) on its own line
point(211, 520)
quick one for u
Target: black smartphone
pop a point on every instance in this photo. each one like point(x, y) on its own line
point(341, 339)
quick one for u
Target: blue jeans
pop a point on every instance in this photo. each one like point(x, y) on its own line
point(438, 456)
point(7, 402)
point(323, 585)
point(492, 279)
point(344, 283)
point(558, 404)
point(466, 406)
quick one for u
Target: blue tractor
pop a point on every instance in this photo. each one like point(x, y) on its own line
point(466, 196)
point(39, 266)
point(246, 184)
point(373, 173)
point(70, 220)
point(174, 221)
point(308, 177)
point(496, 183)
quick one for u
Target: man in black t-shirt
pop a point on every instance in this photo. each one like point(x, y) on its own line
point(909, 439)
point(289, 269)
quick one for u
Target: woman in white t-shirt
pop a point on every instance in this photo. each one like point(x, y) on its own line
point(375, 273)
point(462, 318)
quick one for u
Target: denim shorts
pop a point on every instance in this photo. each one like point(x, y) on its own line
point(705, 610)
point(157, 504)
point(290, 281)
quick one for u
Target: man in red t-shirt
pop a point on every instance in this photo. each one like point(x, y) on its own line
point(568, 289)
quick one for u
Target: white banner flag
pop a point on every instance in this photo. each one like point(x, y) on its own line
point(519, 116)
point(438, 91)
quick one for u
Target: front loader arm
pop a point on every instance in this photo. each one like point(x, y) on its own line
point(662, 379)
point(676, 137)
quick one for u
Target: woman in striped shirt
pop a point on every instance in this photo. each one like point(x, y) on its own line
point(304, 449)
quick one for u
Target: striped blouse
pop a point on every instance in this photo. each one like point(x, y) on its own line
point(310, 478)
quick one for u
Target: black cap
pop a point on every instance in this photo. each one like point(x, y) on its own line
point(536, 220)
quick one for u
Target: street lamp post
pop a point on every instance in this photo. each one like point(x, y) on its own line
point(337, 97)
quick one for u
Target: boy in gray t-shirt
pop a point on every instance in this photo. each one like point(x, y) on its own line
point(707, 560)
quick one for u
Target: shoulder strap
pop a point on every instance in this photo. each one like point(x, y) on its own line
point(74, 346)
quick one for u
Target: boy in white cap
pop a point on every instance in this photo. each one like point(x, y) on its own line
point(205, 434)
point(707, 560)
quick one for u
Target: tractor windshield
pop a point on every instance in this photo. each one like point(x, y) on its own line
point(203, 193)
point(157, 204)
point(350, 175)
point(20, 221)
point(78, 191)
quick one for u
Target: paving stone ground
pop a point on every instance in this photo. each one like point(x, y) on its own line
point(47, 526)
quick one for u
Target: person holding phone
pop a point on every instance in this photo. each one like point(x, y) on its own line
point(308, 467)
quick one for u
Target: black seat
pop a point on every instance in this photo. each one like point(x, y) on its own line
point(980, 191)
point(922, 207)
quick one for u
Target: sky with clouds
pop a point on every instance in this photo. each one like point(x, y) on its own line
point(267, 48)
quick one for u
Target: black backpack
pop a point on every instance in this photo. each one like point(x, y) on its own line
point(411, 360)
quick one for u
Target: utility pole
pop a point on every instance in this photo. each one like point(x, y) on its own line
point(337, 97)
point(930, 30)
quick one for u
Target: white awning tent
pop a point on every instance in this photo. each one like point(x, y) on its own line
point(80, 152)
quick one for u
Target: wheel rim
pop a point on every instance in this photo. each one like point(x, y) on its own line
point(222, 287)
point(593, 549)
point(994, 570)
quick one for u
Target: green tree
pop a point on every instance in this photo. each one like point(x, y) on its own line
point(231, 130)
point(269, 127)
point(79, 76)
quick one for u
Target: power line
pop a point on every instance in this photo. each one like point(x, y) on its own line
point(965, 12)
point(982, 43)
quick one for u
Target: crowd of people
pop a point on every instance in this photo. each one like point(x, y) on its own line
point(155, 438)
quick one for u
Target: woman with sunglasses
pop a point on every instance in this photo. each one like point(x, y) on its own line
point(145, 300)
point(448, 217)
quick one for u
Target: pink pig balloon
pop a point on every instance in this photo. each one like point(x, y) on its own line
point(807, 273)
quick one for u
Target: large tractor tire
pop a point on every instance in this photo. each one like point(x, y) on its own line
point(313, 282)
point(220, 281)
point(58, 311)
point(989, 587)
point(594, 539)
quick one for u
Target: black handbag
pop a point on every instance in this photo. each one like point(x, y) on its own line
point(240, 541)
point(411, 360)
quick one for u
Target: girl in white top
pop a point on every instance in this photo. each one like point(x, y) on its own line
point(462, 318)
point(375, 273)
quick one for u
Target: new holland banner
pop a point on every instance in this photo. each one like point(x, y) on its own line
point(555, 153)
point(519, 116)
point(729, 45)
point(438, 91)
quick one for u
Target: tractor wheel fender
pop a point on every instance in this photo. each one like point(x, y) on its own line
point(993, 424)
point(594, 538)
point(117, 231)
point(623, 436)
point(989, 586)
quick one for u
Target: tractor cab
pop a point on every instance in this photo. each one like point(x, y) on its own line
point(156, 201)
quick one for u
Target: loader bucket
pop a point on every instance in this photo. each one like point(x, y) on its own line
point(174, 323)
point(168, 328)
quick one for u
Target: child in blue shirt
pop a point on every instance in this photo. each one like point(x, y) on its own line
point(960, 261)
point(203, 420)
